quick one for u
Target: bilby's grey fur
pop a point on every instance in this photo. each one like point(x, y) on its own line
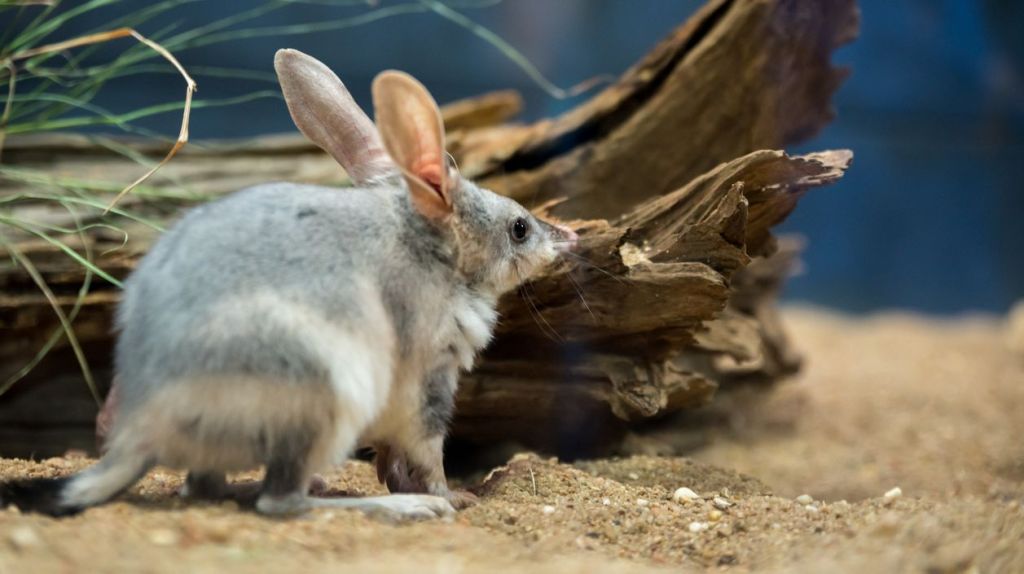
point(286, 324)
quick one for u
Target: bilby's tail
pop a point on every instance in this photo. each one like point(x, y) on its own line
point(64, 496)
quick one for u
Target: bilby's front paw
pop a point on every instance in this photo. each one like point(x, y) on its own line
point(401, 476)
point(461, 499)
point(394, 470)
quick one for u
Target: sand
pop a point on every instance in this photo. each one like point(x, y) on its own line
point(933, 407)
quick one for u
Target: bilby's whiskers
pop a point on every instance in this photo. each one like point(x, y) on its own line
point(526, 291)
point(579, 291)
point(594, 266)
point(535, 313)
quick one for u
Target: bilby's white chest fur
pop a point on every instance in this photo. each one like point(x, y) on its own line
point(461, 329)
point(467, 328)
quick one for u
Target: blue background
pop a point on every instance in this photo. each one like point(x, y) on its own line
point(929, 217)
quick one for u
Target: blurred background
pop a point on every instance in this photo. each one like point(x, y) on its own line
point(930, 217)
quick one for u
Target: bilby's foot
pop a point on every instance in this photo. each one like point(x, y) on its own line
point(395, 506)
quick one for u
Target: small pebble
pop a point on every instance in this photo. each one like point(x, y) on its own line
point(805, 499)
point(720, 503)
point(811, 508)
point(715, 515)
point(641, 502)
point(894, 493)
point(23, 537)
point(684, 494)
point(606, 501)
point(698, 526)
point(548, 509)
point(634, 476)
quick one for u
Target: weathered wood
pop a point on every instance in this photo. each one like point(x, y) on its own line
point(669, 300)
point(481, 111)
point(651, 323)
point(739, 76)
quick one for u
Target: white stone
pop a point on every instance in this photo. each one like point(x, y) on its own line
point(893, 493)
point(548, 509)
point(805, 499)
point(24, 537)
point(698, 526)
point(684, 494)
point(720, 503)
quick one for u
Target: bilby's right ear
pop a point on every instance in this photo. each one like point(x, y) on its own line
point(413, 132)
point(325, 112)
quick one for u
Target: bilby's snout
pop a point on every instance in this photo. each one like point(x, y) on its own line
point(565, 238)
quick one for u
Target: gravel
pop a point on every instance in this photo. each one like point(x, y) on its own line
point(940, 417)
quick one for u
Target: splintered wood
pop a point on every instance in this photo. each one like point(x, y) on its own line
point(671, 176)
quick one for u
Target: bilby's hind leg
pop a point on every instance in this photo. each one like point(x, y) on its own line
point(213, 485)
point(210, 485)
point(204, 485)
point(292, 459)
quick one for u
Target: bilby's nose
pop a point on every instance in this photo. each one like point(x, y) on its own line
point(568, 240)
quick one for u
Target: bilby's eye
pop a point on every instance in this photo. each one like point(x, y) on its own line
point(520, 230)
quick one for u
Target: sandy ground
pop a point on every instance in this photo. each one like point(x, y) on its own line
point(935, 408)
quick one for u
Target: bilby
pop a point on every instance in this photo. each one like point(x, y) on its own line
point(286, 324)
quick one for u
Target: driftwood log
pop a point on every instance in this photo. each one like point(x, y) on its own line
point(670, 176)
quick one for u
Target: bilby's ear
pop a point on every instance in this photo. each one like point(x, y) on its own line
point(325, 112)
point(413, 134)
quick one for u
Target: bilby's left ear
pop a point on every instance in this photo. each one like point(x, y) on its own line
point(411, 128)
point(324, 110)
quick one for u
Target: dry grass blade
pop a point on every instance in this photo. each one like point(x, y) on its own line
point(30, 268)
point(57, 333)
point(190, 87)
